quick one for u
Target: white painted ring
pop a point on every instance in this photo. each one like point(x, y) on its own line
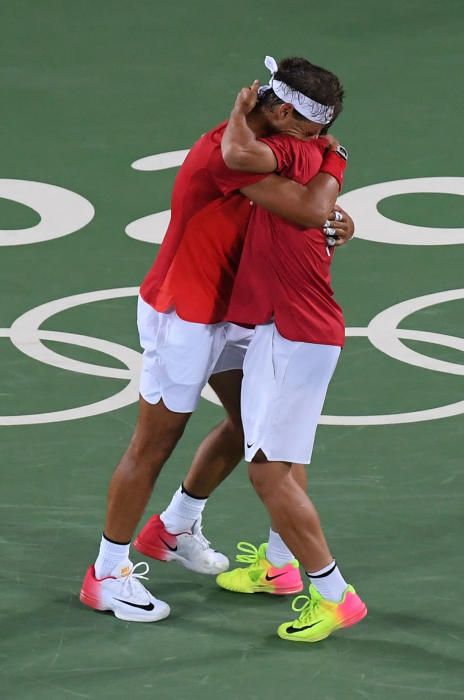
point(61, 211)
point(371, 225)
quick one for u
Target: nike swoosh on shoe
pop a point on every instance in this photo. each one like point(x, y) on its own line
point(270, 578)
point(173, 549)
point(148, 606)
point(292, 629)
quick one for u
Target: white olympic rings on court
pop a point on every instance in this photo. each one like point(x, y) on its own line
point(362, 203)
point(382, 332)
point(61, 211)
point(27, 337)
point(374, 226)
point(151, 228)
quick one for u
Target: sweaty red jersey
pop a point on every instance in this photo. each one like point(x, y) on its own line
point(284, 271)
point(199, 257)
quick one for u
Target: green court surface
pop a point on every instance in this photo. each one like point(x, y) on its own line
point(88, 88)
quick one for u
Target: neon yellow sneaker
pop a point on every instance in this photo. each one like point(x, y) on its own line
point(260, 576)
point(320, 617)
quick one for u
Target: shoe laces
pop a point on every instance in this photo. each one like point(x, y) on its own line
point(253, 556)
point(131, 583)
point(201, 539)
point(306, 605)
point(250, 553)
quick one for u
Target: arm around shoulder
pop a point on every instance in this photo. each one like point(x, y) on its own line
point(239, 146)
point(295, 202)
point(242, 151)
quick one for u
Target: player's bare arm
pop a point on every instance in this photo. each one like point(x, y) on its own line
point(240, 148)
point(294, 202)
point(308, 206)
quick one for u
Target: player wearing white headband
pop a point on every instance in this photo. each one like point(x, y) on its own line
point(187, 343)
point(283, 289)
point(309, 108)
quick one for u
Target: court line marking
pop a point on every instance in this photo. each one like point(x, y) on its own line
point(382, 332)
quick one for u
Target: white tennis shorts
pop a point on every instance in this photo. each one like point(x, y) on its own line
point(283, 392)
point(180, 356)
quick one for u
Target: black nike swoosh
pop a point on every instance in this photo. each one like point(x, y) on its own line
point(292, 629)
point(148, 606)
point(173, 549)
point(248, 444)
point(269, 578)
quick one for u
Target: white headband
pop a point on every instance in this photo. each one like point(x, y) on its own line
point(312, 110)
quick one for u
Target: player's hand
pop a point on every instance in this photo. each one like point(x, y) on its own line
point(247, 98)
point(339, 228)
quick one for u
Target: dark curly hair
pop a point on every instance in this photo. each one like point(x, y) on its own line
point(311, 80)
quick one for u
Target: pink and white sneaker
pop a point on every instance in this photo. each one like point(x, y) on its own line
point(190, 549)
point(124, 594)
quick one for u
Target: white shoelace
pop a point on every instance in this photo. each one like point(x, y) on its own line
point(198, 534)
point(131, 584)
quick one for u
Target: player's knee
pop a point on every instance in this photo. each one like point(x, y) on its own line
point(153, 450)
point(260, 479)
point(233, 425)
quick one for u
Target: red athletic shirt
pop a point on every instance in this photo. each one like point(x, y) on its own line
point(196, 266)
point(284, 271)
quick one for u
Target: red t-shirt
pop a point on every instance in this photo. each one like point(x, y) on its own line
point(284, 271)
point(196, 266)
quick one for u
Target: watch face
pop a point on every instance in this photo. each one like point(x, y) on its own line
point(341, 150)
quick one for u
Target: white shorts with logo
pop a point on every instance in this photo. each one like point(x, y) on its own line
point(180, 356)
point(283, 392)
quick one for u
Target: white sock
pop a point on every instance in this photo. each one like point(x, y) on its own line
point(329, 582)
point(110, 556)
point(182, 512)
point(277, 551)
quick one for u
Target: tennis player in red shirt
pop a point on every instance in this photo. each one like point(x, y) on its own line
point(283, 288)
point(187, 342)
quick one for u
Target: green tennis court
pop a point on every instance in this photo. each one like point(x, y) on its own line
point(88, 89)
